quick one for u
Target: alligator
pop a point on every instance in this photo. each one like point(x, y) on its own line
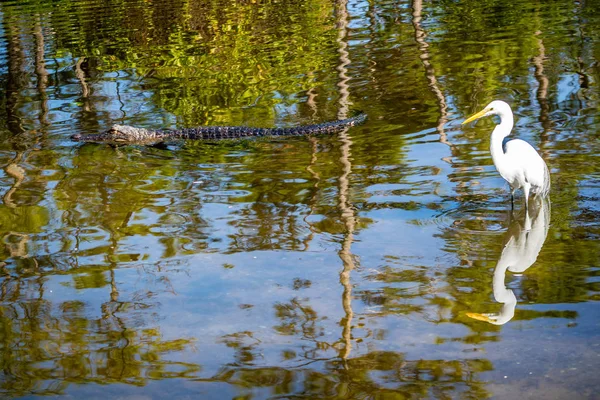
point(124, 134)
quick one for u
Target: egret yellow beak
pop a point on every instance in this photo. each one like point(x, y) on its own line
point(479, 317)
point(475, 116)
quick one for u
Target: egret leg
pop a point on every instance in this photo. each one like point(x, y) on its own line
point(527, 221)
point(526, 192)
point(512, 198)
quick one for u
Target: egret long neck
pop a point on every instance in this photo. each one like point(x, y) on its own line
point(501, 131)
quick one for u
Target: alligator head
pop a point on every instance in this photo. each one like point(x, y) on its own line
point(120, 134)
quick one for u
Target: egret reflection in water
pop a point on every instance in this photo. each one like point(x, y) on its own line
point(524, 240)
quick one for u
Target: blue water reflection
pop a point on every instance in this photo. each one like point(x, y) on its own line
point(341, 266)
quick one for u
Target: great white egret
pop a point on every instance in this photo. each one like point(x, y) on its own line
point(515, 159)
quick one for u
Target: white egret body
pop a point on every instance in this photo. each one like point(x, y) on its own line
point(516, 160)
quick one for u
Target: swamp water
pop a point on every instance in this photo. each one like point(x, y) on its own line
point(383, 262)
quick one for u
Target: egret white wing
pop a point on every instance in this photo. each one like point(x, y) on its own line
point(527, 159)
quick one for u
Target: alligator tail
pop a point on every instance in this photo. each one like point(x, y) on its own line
point(236, 132)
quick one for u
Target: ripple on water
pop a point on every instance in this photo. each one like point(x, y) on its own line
point(471, 219)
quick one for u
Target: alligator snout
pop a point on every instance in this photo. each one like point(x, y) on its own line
point(77, 137)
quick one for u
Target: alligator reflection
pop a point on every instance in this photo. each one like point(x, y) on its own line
point(524, 240)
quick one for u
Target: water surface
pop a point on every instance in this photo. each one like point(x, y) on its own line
point(383, 262)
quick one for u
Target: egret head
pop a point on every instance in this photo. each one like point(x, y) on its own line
point(496, 107)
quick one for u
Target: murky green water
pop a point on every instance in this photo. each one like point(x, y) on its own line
point(382, 262)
